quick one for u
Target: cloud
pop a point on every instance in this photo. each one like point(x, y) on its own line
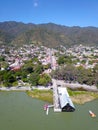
point(35, 3)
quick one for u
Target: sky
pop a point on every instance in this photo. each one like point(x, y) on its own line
point(81, 13)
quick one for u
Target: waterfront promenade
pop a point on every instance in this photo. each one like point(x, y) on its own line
point(15, 88)
point(75, 86)
point(62, 83)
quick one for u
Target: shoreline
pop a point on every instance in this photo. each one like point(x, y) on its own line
point(48, 97)
point(79, 98)
point(78, 94)
point(83, 98)
point(15, 88)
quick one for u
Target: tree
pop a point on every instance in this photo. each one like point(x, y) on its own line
point(95, 69)
point(33, 79)
point(44, 79)
point(67, 73)
point(64, 60)
point(58, 74)
point(70, 73)
point(95, 73)
point(38, 68)
point(9, 78)
point(61, 60)
point(2, 58)
point(1, 76)
point(28, 67)
point(85, 76)
point(47, 66)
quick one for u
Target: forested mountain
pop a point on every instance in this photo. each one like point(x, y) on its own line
point(15, 28)
point(5, 37)
point(50, 34)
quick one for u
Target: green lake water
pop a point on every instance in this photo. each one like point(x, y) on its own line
point(18, 111)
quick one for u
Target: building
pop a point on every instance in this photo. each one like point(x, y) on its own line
point(64, 100)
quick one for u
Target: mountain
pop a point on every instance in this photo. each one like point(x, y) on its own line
point(50, 34)
point(41, 36)
point(15, 28)
point(5, 37)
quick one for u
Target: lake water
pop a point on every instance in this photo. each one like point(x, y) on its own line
point(18, 111)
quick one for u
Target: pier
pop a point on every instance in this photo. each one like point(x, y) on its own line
point(61, 99)
point(56, 102)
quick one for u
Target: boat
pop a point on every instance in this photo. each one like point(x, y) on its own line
point(45, 107)
point(92, 114)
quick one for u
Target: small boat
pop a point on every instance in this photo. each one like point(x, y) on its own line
point(45, 107)
point(92, 114)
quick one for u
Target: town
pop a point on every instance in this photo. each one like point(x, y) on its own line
point(13, 58)
point(16, 57)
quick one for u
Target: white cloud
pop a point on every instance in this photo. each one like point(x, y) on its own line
point(35, 3)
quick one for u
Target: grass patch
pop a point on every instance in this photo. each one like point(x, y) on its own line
point(73, 92)
point(81, 97)
point(45, 95)
point(78, 97)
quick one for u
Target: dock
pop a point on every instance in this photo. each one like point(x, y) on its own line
point(61, 99)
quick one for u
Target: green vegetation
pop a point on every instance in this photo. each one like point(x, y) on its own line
point(30, 72)
point(50, 35)
point(2, 58)
point(65, 60)
point(81, 97)
point(78, 97)
point(45, 95)
point(73, 74)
